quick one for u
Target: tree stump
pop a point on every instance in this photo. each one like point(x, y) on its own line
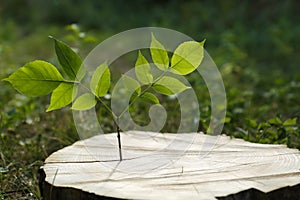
point(225, 169)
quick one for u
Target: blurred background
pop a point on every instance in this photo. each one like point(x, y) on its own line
point(255, 44)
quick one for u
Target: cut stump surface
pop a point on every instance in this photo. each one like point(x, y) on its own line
point(198, 166)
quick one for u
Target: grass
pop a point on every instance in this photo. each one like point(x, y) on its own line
point(262, 107)
point(27, 134)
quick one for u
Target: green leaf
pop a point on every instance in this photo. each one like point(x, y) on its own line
point(143, 69)
point(263, 125)
point(84, 102)
point(100, 81)
point(35, 78)
point(130, 84)
point(69, 60)
point(187, 57)
point(275, 121)
point(252, 123)
point(168, 85)
point(150, 98)
point(159, 54)
point(227, 120)
point(290, 122)
point(62, 96)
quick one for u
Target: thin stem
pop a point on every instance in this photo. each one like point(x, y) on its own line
point(114, 117)
point(119, 142)
point(143, 92)
point(116, 121)
point(98, 98)
point(113, 114)
point(106, 107)
point(117, 125)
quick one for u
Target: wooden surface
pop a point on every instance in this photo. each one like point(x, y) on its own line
point(211, 167)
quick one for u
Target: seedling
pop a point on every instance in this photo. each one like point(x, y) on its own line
point(39, 78)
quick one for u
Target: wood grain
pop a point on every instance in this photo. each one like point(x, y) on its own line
point(203, 167)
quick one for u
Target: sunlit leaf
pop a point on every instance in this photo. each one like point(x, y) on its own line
point(62, 96)
point(290, 122)
point(69, 60)
point(84, 102)
point(100, 81)
point(36, 78)
point(187, 57)
point(275, 121)
point(150, 98)
point(168, 85)
point(159, 54)
point(143, 69)
point(252, 123)
point(130, 84)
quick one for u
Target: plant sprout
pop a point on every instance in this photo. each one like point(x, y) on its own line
point(39, 78)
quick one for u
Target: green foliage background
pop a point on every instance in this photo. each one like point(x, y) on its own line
point(255, 44)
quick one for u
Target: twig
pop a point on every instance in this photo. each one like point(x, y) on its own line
point(119, 142)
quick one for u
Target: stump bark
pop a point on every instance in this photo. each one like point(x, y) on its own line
point(199, 166)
